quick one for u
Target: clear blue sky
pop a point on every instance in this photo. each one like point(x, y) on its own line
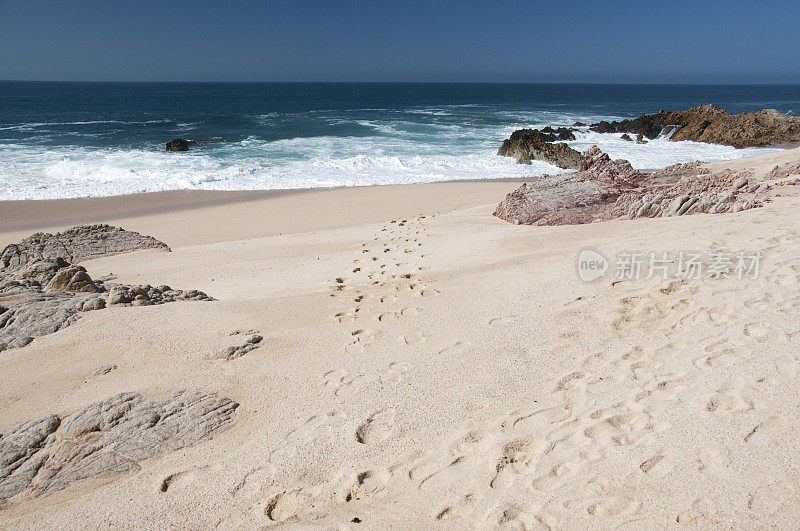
point(340, 40)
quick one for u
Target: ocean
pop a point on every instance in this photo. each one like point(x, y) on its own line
point(62, 140)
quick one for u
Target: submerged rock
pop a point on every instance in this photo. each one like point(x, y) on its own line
point(605, 189)
point(104, 440)
point(179, 144)
point(527, 145)
point(710, 124)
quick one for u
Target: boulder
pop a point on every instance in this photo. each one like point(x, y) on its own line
point(72, 279)
point(710, 124)
point(527, 145)
point(179, 144)
point(626, 137)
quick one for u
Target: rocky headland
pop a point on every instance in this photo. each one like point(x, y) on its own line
point(710, 124)
point(704, 123)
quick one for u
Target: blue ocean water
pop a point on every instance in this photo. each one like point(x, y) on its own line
point(89, 139)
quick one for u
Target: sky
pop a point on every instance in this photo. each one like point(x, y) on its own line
point(643, 41)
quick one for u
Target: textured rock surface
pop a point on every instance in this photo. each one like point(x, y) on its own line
point(104, 440)
point(42, 291)
point(252, 342)
point(606, 189)
point(47, 253)
point(552, 135)
point(708, 123)
point(527, 145)
point(72, 279)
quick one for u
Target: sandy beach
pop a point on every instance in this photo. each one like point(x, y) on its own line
point(425, 364)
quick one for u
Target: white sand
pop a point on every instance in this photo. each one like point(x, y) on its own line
point(492, 387)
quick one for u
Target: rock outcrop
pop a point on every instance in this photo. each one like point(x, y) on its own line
point(710, 124)
point(104, 440)
point(179, 144)
point(42, 251)
point(605, 189)
point(43, 291)
point(252, 342)
point(552, 135)
point(527, 145)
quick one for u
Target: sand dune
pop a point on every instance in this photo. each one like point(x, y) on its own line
point(424, 364)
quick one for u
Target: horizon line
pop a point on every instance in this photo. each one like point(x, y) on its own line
point(402, 82)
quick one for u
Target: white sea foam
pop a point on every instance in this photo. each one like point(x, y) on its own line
point(400, 152)
point(660, 152)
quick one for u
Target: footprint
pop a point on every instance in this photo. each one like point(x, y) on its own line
point(369, 484)
point(543, 418)
point(518, 517)
point(413, 338)
point(456, 473)
point(786, 366)
point(455, 349)
point(736, 395)
point(768, 499)
point(388, 317)
point(460, 509)
point(519, 456)
point(757, 331)
point(659, 465)
point(614, 506)
point(377, 427)
point(286, 505)
point(503, 320)
point(766, 430)
point(344, 317)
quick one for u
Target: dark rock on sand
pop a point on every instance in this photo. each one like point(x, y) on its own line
point(252, 342)
point(605, 189)
point(527, 145)
point(179, 144)
point(708, 123)
point(104, 440)
point(42, 291)
point(104, 369)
